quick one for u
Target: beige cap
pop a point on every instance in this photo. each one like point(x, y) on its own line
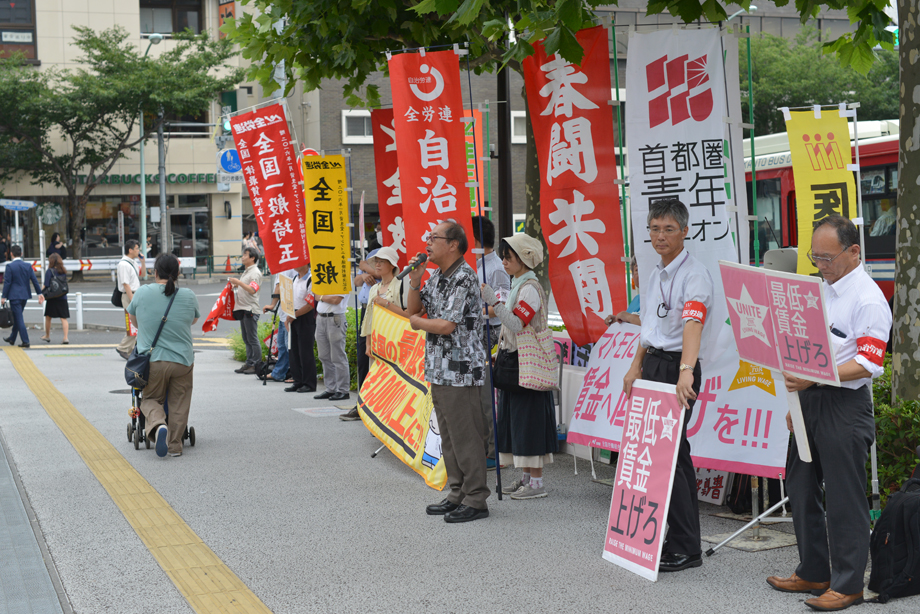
point(528, 249)
point(389, 254)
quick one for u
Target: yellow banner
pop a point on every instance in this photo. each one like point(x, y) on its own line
point(395, 401)
point(287, 294)
point(328, 234)
point(820, 150)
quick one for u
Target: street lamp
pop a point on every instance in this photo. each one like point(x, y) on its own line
point(736, 13)
point(154, 39)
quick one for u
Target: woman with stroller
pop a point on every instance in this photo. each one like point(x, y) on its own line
point(172, 360)
point(56, 307)
point(526, 418)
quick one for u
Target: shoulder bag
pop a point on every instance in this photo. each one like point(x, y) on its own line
point(57, 287)
point(538, 363)
point(137, 369)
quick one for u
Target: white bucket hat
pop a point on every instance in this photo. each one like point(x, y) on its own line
point(528, 249)
point(389, 254)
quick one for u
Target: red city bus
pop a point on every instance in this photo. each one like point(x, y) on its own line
point(776, 206)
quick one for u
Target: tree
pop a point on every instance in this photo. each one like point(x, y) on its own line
point(796, 73)
point(56, 124)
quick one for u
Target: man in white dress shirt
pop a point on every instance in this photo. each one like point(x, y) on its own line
point(674, 321)
point(839, 421)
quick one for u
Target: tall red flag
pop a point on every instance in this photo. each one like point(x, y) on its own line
point(389, 194)
point(579, 200)
point(427, 108)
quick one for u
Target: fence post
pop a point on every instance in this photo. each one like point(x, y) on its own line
point(79, 311)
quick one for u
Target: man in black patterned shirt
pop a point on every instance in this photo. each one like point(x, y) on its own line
point(454, 365)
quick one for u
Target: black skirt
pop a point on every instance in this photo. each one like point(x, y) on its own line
point(57, 307)
point(526, 423)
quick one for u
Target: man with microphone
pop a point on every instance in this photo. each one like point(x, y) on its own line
point(454, 366)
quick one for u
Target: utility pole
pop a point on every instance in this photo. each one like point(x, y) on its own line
point(164, 225)
point(505, 208)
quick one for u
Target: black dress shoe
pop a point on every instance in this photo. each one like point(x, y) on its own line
point(324, 395)
point(676, 562)
point(465, 513)
point(293, 388)
point(24, 345)
point(439, 509)
point(9, 340)
point(307, 389)
point(339, 396)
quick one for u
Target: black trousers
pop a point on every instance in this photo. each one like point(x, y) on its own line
point(303, 360)
point(684, 514)
point(364, 361)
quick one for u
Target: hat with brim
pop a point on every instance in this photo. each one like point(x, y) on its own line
point(528, 249)
point(389, 254)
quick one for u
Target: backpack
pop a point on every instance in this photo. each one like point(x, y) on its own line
point(895, 545)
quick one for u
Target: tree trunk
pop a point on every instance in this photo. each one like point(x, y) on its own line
point(532, 225)
point(905, 367)
point(77, 214)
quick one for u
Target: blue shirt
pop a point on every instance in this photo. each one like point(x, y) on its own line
point(633, 306)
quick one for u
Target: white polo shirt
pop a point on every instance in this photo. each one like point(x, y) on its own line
point(323, 307)
point(675, 293)
point(857, 309)
point(302, 290)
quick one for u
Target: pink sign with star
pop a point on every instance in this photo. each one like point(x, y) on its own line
point(751, 318)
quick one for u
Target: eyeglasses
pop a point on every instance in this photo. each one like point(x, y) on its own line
point(668, 231)
point(823, 259)
point(433, 238)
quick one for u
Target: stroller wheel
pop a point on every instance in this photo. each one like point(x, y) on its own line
point(147, 441)
point(130, 432)
point(191, 436)
point(137, 439)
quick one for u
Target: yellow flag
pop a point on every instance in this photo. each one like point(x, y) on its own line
point(823, 171)
point(328, 234)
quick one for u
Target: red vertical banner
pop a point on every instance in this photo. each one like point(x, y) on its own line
point(428, 112)
point(275, 183)
point(389, 194)
point(579, 199)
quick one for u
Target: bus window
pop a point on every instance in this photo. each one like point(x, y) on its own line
point(768, 228)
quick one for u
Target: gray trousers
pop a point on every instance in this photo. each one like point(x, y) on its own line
point(249, 329)
point(127, 342)
point(841, 429)
point(330, 345)
point(462, 425)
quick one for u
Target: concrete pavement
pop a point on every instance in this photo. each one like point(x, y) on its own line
point(288, 500)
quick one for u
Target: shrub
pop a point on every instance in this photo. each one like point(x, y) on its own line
point(897, 434)
point(265, 324)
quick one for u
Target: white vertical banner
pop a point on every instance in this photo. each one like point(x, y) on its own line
point(684, 143)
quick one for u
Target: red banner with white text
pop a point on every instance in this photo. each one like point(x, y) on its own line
point(389, 195)
point(580, 203)
point(275, 183)
point(428, 108)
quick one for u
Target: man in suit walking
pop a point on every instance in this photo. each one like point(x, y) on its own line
point(16, 290)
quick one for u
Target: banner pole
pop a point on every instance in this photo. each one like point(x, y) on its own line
point(351, 212)
point(627, 227)
point(731, 155)
point(753, 154)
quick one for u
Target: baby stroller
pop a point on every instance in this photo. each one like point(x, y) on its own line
point(136, 431)
point(265, 367)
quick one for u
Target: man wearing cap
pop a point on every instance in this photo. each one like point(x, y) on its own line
point(454, 364)
point(674, 321)
point(832, 524)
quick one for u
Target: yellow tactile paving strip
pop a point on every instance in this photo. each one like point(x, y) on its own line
point(203, 579)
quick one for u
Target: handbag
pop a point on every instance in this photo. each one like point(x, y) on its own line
point(137, 369)
point(116, 297)
point(505, 371)
point(6, 316)
point(57, 287)
point(538, 363)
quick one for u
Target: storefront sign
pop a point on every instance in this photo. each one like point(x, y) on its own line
point(328, 233)
point(171, 178)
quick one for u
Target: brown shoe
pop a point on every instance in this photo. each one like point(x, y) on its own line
point(795, 584)
point(831, 601)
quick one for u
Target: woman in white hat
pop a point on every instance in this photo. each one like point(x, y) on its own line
point(389, 293)
point(526, 418)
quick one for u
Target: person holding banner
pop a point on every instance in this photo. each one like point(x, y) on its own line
point(390, 293)
point(526, 418)
point(833, 537)
point(364, 281)
point(678, 297)
point(246, 297)
point(279, 373)
point(454, 365)
point(303, 333)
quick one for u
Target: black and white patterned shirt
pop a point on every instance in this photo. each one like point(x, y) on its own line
point(457, 359)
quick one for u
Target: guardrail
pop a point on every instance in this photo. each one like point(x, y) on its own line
point(77, 301)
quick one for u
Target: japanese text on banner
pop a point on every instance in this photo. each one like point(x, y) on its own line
point(274, 181)
point(573, 132)
point(389, 193)
point(328, 232)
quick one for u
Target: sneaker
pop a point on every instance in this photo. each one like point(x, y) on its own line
point(528, 492)
point(490, 464)
point(513, 487)
point(162, 441)
point(175, 453)
point(351, 415)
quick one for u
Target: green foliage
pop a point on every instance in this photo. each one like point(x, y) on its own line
point(897, 435)
point(56, 124)
point(798, 73)
point(238, 347)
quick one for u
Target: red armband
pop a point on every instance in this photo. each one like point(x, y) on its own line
point(694, 310)
point(311, 300)
point(525, 312)
point(254, 286)
point(871, 349)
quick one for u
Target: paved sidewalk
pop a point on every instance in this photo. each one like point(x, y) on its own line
point(287, 497)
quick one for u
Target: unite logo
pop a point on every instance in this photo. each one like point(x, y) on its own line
point(824, 156)
point(682, 96)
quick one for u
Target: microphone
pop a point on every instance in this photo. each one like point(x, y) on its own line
point(421, 260)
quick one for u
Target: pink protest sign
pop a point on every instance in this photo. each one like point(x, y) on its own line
point(802, 331)
point(749, 309)
point(645, 474)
